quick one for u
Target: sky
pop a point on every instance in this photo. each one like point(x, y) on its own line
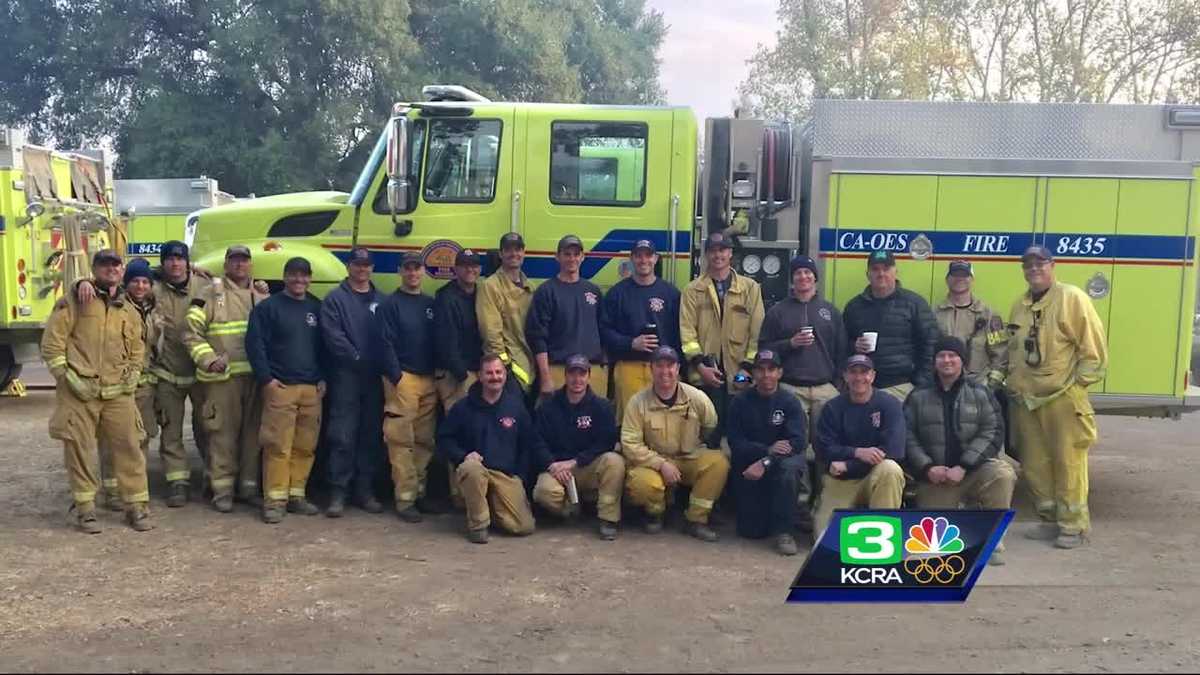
point(708, 42)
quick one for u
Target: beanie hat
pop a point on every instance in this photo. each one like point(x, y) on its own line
point(949, 343)
point(138, 267)
point(804, 262)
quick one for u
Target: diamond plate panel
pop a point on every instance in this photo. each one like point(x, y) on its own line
point(969, 130)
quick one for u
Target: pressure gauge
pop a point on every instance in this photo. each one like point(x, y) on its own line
point(771, 265)
point(751, 264)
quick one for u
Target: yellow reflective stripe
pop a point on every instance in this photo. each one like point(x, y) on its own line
point(212, 332)
point(277, 495)
point(703, 503)
point(691, 349)
point(296, 492)
point(751, 354)
point(228, 328)
point(195, 313)
point(520, 374)
point(205, 376)
point(239, 367)
point(57, 361)
point(173, 476)
point(221, 482)
point(406, 496)
point(114, 390)
point(138, 498)
point(147, 378)
point(177, 380)
point(504, 357)
point(84, 496)
point(201, 349)
point(226, 324)
point(110, 482)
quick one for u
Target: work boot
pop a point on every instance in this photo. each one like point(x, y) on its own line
point(1069, 541)
point(113, 501)
point(653, 524)
point(434, 507)
point(701, 531)
point(85, 518)
point(178, 494)
point(785, 544)
point(337, 504)
point(607, 530)
point(273, 512)
point(138, 517)
point(223, 503)
point(369, 504)
point(409, 514)
point(1043, 532)
point(250, 495)
point(479, 536)
point(301, 506)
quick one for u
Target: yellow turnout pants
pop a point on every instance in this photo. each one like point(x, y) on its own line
point(1054, 441)
point(600, 481)
point(881, 488)
point(705, 471)
point(291, 424)
point(117, 425)
point(489, 493)
point(409, 416)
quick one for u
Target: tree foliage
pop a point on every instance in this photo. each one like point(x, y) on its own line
point(290, 94)
point(1100, 51)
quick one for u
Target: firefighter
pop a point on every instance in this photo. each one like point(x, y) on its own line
point(354, 432)
point(565, 319)
point(954, 438)
point(720, 315)
point(139, 289)
point(96, 351)
point(903, 326)
point(283, 342)
point(860, 443)
point(1056, 350)
point(661, 438)
point(215, 336)
point(458, 346)
point(969, 319)
point(808, 334)
point(502, 308)
point(410, 399)
point(175, 370)
point(581, 433)
point(767, 436)
point(491, 440)
point(641, 312)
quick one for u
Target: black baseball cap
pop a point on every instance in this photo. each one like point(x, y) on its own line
point(643, 245)
point(718, 240)
point(568, 241)
point(512, 239)
point(1037, 251)
point(881, 258)
point(578, 362)
point(767, 357)
point(960, 268)
point(106, 255)
point(411, 258)
point(664, 353)
point(467, 257)
point(298, 264)
point(237, 250)
point(176, 249)
point(360, 255)
point(860, 361)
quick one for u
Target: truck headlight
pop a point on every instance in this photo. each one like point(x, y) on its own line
point(772, 264)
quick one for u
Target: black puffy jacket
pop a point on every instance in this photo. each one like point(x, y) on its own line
point(907, 331)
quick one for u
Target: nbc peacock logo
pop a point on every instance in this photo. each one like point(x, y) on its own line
point(931, 551)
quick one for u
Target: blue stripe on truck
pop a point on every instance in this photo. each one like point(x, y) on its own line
point(1116, 248)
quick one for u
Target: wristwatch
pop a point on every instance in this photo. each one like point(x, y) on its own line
point(766, 462)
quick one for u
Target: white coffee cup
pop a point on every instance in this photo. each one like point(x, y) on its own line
point(872, 337)
point(806, 330)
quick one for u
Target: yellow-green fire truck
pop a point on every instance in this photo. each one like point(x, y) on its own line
point(1108, 188)
point(54, 209)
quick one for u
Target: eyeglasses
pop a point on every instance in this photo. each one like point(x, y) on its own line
point(1033, 353)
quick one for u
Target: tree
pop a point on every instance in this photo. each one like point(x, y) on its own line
point(291, 94)
point(1044, 50)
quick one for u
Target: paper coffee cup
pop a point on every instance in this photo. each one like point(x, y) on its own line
point(806, 330)
point(872, 337)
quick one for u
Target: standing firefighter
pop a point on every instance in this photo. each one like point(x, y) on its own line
point(966, 317)
point(1056, 352)
point(720, 315)
point(139, 290)
point(216, 339)
point(175, 369)
point(502, 308)
point(410, 399)
point(283, 342)
point(353, 434)
point(458, 346)
point(95, 351)
point(641, 313)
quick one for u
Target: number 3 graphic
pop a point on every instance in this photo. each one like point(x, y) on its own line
point(877, 537)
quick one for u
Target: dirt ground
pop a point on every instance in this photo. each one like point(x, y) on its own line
point(227, 593)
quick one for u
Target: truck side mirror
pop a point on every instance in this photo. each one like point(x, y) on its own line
point(397, 165)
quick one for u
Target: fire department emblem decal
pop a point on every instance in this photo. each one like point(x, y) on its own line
point(876, 419)
point(429, 313)
point(824, 313)
point(583, 422)
point(590, 297)
point(777, 418)
point(657, 305)
point(310, 319)
point(508, 422)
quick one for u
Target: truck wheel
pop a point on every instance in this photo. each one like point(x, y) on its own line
point(9, 368)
